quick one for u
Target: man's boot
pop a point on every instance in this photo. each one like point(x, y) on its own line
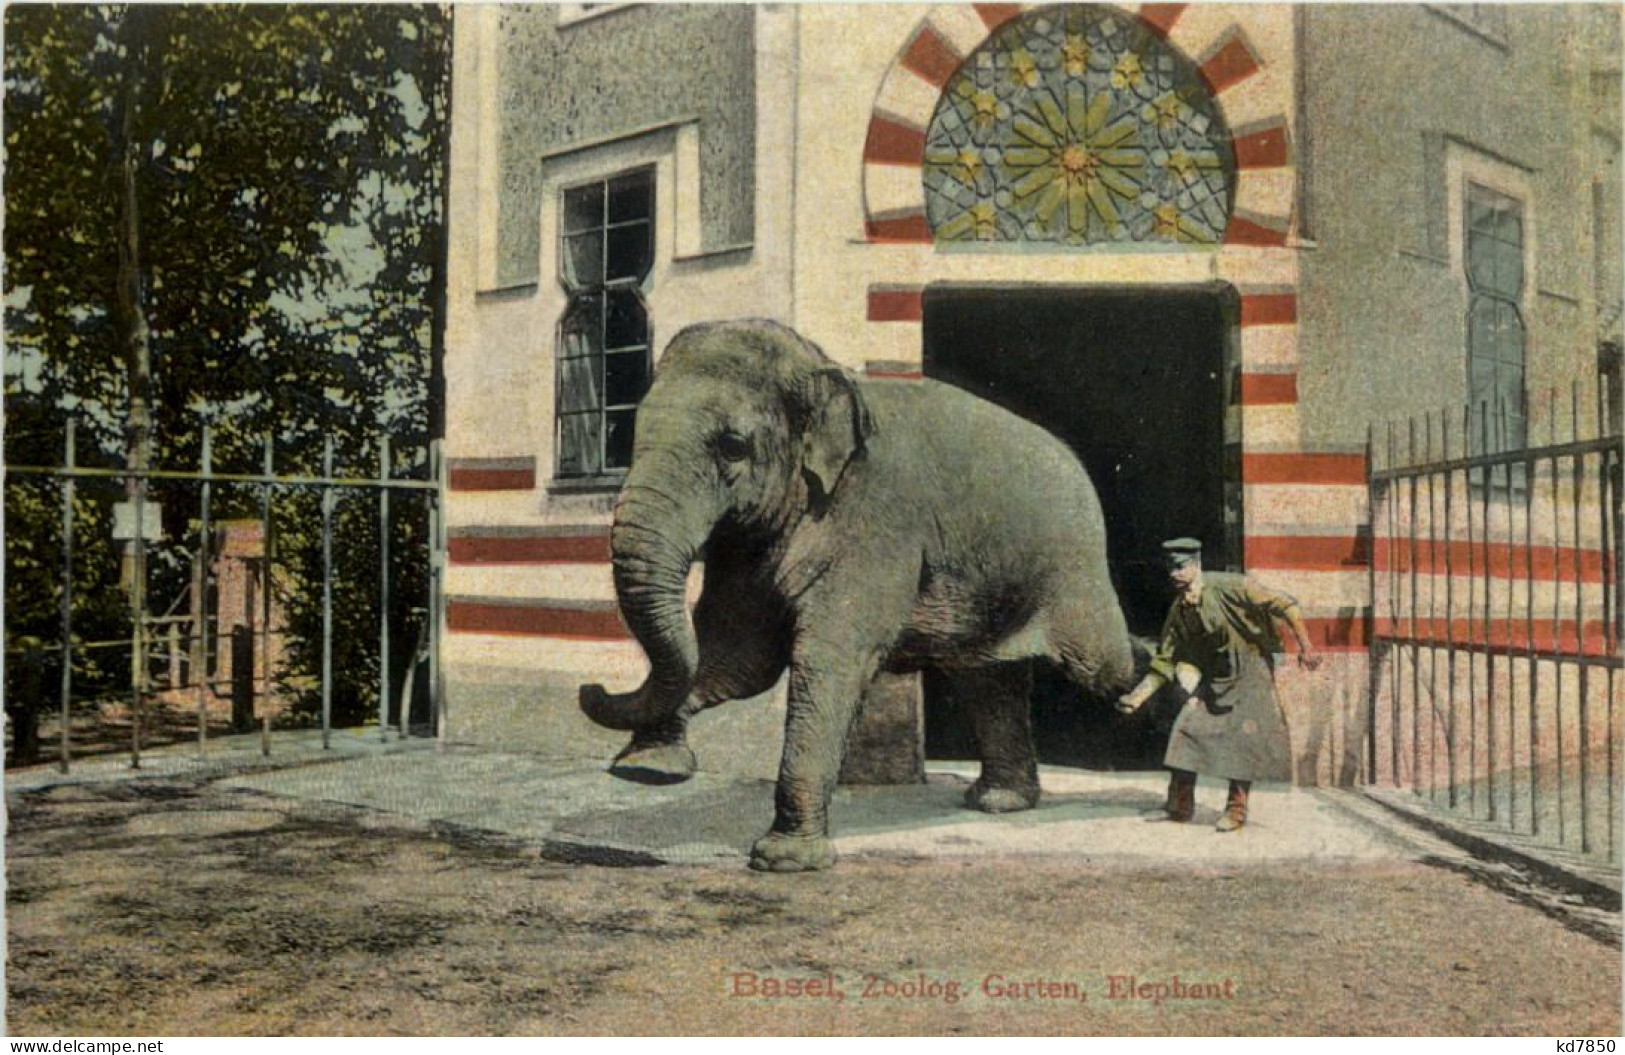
point(1235, 807)
point(1180, 805)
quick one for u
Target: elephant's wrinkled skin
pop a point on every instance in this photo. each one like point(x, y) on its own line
point(849, 527)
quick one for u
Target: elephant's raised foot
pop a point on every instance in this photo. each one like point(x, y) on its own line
point(1000, 800)
point(655, 763)
point(775, 852)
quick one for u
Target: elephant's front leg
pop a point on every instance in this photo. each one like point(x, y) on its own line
point(826, 681)
point(743, 648)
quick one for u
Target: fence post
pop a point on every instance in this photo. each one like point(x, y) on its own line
point(1579, 625)
point(63, 733)
point(383, 589)
point(138, 611)
point(1453, 795)
point(200, 584)
point(265, 595)
point(1557, 615)
point(1433, 610)
point(437, 585)
point(327, 592)
point(1531, 472)
point(1411, 618)
point(1394, 701)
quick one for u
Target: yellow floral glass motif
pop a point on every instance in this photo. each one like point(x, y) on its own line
point(1077, 125)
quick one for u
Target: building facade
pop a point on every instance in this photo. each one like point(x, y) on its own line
point(1209, 246)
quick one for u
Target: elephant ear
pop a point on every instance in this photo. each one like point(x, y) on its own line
point(837, 426)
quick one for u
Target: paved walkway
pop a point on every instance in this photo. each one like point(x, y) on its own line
point(573, 807)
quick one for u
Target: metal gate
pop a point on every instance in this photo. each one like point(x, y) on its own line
point(193, 648)
point(1496, 618)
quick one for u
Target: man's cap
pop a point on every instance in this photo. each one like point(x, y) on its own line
point(1182, 550)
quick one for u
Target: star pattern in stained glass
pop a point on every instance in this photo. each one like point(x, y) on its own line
point(1077, 125)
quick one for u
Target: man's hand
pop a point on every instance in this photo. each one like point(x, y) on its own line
point(1130, 702)
point(1310, 660)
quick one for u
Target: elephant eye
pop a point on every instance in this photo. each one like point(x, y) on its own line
point(733, 447)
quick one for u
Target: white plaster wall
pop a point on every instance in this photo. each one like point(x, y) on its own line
point(500, 342)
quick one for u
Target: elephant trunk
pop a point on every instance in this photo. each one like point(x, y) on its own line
point(653, 544)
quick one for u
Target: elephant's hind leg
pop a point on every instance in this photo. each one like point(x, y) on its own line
point(1093, 647)
point(1000, 701)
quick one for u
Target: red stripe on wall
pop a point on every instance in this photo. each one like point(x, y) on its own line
point(491, 479)
point(896, 305)
point(529, 549)
point(1271, 468)
point(905, 227)
point(534, 620)
point(1340, 633)
point(1261, 390)
point(1243, 231)
point(1307, 552)
point(996, 15)
point(893, 143)
point(1506, 560)
point(1161, 17)
point(1563, 635)
point(1269, 309)
point(1264, 149)
point(1230, 65)
point(930, 57)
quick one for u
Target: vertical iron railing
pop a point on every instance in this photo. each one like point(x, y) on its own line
point(1527, 716)
point(202, 640)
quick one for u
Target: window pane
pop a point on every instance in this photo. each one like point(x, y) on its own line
point(631, 250)
point(1508, 390)
point(632, 197)
point(621, 427)
point(579, 384)
point(1510, 226)
point(626, 377)
point(579, 443)
point(584, 208)
point(1509, 269)
point(627, 324)
point(582, 330)
point(1508, 335)
point(1483, 261)
point(584, 259)
point(1480, 386)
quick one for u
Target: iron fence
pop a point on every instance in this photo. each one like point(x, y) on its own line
point(189, 647)
point(1496, 617)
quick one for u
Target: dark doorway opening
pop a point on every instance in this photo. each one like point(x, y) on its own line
point(1136, 382)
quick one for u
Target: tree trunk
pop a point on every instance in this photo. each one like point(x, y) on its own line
point(130, 312)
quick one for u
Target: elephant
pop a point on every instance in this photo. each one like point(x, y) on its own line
point(848, 526)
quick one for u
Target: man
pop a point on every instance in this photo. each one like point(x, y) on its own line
point(1218, 647)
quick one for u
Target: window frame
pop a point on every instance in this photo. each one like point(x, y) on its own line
point(1468, 163)
point(1474, 192)
point(605, 477)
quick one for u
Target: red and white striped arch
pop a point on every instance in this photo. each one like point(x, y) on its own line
point(1255, 105)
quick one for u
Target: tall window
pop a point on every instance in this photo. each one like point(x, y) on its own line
point(1495, 325)
point(606, 250)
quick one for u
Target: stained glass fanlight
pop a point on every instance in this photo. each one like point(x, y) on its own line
point(1078, 125)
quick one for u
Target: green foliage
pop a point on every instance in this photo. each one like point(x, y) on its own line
point(291, 162)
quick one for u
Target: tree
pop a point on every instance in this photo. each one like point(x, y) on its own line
point(254, 194)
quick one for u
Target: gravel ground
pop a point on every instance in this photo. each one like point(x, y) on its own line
point(180, 908)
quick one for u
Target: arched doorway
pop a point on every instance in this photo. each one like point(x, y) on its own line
point(1136, 381)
